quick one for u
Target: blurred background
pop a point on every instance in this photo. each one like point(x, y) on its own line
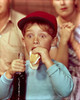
point(28, 6)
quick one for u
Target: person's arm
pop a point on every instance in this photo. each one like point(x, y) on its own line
point(60, 79)
point(75, 46)
point(6, 79)
point(58, 73)
point(5, 87)
point(61, 52)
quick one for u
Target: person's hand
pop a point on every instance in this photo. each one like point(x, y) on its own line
point(17, 65)
point(65, 32)
point(44, 54)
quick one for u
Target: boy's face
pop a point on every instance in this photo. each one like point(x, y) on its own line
point(64, 8)
point(36, 37)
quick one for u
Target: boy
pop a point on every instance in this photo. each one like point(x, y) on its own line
point(46, 79)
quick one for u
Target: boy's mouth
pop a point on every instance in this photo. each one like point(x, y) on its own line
point(33, 48)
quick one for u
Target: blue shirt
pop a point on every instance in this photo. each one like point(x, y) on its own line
point(42, 84)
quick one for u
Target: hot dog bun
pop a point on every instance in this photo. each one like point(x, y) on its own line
point(34, 58)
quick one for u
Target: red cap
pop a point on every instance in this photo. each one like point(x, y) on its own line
point(39, 15)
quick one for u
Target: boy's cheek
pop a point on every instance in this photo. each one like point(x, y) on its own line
point(28, 49)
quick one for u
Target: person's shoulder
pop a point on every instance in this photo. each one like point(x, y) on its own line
point(17, 15)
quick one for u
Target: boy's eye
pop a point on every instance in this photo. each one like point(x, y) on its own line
point(29, 35)
point(43, 36)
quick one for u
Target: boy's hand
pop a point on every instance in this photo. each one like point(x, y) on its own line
point(17, 65)
point(65, 32)
point(44, 54)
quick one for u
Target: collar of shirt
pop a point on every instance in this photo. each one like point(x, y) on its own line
point(10, 20)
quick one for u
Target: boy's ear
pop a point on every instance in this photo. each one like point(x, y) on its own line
point(23, 42)
point(54, 42)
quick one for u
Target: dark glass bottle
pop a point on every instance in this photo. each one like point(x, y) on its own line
point(19, 87)
point(19, 83)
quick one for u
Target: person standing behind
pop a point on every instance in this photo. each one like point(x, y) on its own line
point(10, 35)
point(69, 22)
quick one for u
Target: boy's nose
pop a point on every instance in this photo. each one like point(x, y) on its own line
point(36, 41)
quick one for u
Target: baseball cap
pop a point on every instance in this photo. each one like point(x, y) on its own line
point(39, 15)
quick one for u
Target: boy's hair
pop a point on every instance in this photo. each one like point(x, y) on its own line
point(43, 25)
point(39, 17)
